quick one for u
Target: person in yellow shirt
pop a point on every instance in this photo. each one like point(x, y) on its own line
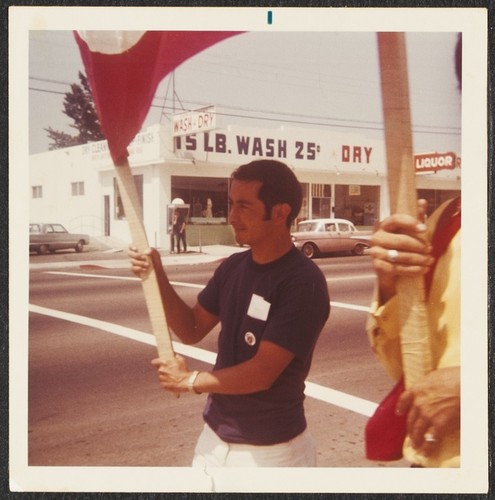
point(405, 246)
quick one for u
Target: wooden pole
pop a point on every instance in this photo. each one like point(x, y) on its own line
point(151, 288)
point(414, 335)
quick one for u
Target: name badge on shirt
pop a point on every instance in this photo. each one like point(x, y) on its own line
point(258, 308)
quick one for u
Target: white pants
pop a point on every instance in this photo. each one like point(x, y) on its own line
point(212, 451)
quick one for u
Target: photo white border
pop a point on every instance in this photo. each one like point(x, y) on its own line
point(472, 476)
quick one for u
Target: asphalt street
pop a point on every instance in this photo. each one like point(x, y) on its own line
point(94, 399)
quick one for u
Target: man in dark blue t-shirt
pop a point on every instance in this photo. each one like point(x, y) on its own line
point(272, 303)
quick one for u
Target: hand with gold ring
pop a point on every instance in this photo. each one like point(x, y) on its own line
point(430, 438)
point(432, 406)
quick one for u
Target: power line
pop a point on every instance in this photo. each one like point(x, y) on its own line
point(352, 124)
point(48, 80)
point(292, 118)
point(47, 91)
point(379, 125)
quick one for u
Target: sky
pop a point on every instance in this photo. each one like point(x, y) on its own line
point(273, 79)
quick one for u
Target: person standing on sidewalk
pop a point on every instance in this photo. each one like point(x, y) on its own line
point(179, 230)
point(272, 303)
point(171, 230)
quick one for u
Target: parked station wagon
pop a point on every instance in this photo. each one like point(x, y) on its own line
point(45, 238)
point(319, 236)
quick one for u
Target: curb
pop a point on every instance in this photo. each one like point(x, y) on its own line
point(216, 254)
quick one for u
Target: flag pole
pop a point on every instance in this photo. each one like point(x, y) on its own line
point(151, 287)
point(414, 334)
point(112, 59)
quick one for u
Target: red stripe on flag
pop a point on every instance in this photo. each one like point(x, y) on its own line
point(124, 84)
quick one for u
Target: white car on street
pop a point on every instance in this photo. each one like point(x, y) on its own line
point(319, 236)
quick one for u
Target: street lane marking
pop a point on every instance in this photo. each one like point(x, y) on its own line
point(353, 307)
point(343, 305)
point(337, 398)
point(315, 391)
point(125, 278)
point(85, 275)
point(348, 278)
point(190, 285)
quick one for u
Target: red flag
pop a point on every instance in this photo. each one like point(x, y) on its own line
point(124, 69)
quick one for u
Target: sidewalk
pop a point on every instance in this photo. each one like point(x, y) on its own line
point(117, 258)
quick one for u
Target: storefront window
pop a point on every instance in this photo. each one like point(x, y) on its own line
point(321, 201)
point(207, 197)
point(357, 203)
point(435, 197)
point(304, 212)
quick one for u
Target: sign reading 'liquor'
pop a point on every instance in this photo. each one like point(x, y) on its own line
point(431, 162)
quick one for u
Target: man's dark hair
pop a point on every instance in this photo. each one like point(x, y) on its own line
point(278, 185)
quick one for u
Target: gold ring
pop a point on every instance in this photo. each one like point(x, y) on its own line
point(430, 438)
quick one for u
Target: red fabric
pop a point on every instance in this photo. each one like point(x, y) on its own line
point(447, 226)
point(124, 84)
point(385, 431)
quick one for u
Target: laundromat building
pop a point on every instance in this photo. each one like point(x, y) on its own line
point(342, 175)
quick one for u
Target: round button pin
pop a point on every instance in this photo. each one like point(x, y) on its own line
point(250, 338)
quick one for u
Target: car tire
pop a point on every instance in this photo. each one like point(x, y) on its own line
point(309, 250)
point(79, 247)
point(359, 249)
point(43, 249)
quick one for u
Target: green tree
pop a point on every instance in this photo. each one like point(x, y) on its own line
point(78, 105)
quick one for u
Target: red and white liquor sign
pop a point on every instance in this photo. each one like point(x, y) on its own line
point(431, 162)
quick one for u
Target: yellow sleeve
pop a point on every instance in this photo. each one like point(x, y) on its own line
point(445, 307)
point(383, 333)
